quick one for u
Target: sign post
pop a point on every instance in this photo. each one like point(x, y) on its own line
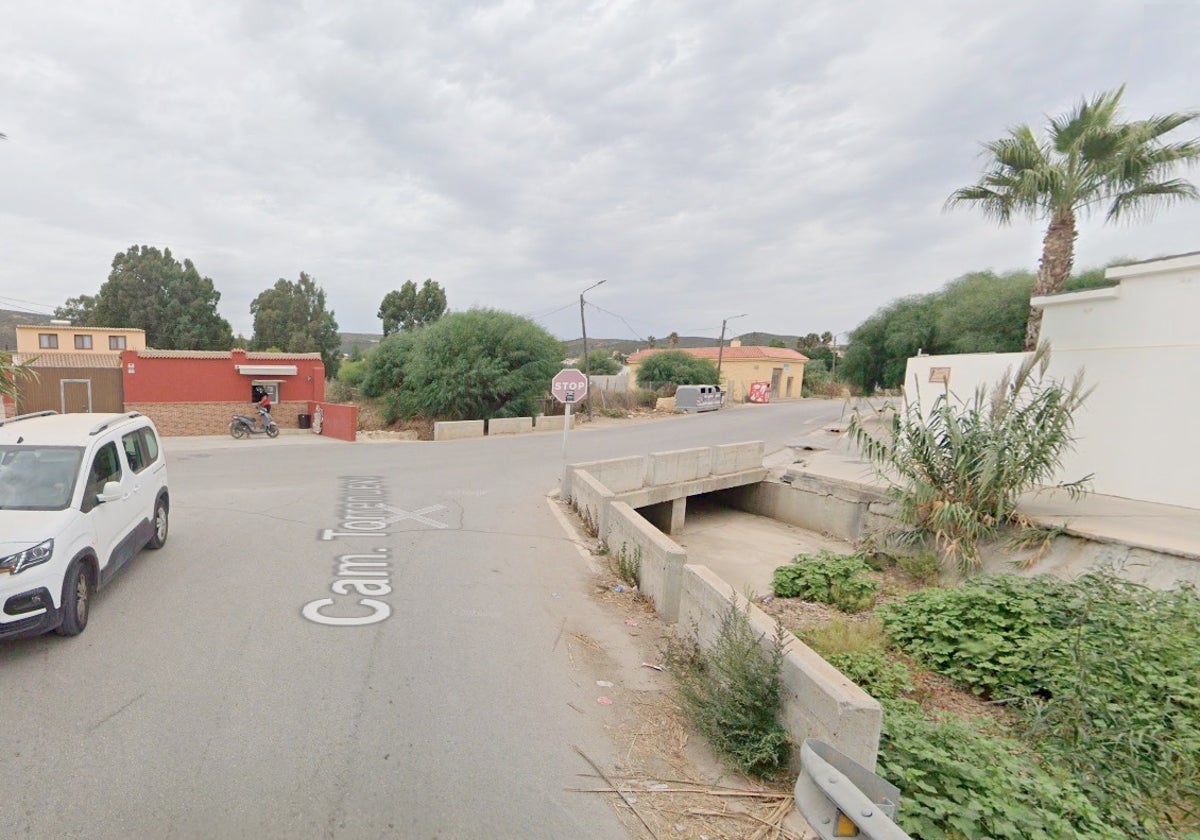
point(569, 386)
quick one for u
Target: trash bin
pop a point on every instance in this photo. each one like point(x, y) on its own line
point(305, 421)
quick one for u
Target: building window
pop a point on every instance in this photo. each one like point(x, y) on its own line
point(116, 342)
point(83, 342)
point(48, 341)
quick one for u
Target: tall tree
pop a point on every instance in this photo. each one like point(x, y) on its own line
point(293, 317)
point(1089, 158)
point(673, 340)
point(150, 290)
point(410, 307)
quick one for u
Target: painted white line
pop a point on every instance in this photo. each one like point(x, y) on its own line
point(402, 515)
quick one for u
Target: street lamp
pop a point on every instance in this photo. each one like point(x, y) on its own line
point(583, 325)
point(721, 344)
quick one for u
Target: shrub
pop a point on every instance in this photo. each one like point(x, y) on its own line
point(384, 371)
point(843, 635)
point(478, 364)
point(351, 373)
point(626, 565)
point(958, 782)
point(1100, 671)
point(677, 367)
point(957, 470)
point(923, 567)
point(731, 693)
point(872, 671)
point(829, 578)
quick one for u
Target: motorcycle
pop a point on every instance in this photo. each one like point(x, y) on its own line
point(243, 425)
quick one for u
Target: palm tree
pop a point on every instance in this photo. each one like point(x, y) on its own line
point(673, 340)
point(1089, 158)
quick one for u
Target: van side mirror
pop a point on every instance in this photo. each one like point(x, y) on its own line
point(110, 493)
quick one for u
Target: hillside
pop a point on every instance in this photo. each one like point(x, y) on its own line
point(10, 319)
point(627, 346)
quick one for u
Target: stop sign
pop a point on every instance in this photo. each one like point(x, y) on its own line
point(569, 386)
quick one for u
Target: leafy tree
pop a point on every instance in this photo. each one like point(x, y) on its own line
point(651, 341)
point(808, 342)
point(150, 290)
point(292, 317)
point(1088, 158)
point(677, 367)
point(410, 308)
point(351, 372)
point(478, 364)
point(881, 346)
point(602, 363)
point(827, 337)
point(673, 340)
point(77, 310)
point(385, 366)
point(777, 342)
point(981, 312)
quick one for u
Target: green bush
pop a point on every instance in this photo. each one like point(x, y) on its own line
point(384, 371)
point(476, 365)
point(677, 367)
point(959, 783)
point(351, 373)
point(1101, 672)
point(923, 567)
point(828, 578)
point(872, 671)
point(731, 693)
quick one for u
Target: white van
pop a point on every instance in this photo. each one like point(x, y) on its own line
point(80, 495)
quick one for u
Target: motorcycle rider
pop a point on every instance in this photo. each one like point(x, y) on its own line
point(264, 409)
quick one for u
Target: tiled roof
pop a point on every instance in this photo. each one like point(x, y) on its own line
point(782, 354)
point(52, 359)
point(222, 354)
point(69, 327)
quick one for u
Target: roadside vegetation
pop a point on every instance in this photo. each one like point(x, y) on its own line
point(1024, 707)
point(957, 469)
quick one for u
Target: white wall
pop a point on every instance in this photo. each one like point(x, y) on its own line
point(1139, 346)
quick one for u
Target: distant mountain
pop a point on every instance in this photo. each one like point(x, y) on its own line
point(10, 319)
point(627, 346)
point(365, 341)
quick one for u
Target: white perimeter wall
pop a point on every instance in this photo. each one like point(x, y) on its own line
point(1139, 346)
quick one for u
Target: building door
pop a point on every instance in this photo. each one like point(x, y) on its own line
point(791, 383)
point(776, 377)
point(76, 395)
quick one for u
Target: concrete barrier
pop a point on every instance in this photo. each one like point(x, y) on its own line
point(592, 500)
point(826, 506)
point(509, 426)
point(662, 560)
point(549, 422)
point(617, 474)
point(735, 457)
point(679, 465)
point(817, 700)
point(456, 429)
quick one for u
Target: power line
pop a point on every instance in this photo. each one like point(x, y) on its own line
point(621, 319)
point(551, 312)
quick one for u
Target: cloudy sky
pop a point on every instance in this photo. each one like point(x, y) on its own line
point(706, 158)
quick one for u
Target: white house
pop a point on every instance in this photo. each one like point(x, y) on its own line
point(1139, 345)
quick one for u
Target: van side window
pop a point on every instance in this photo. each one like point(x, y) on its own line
point(106, 467)
point(149, 444)
point(132, 443)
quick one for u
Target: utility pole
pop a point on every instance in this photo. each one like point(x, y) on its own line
point(721, 344)
point(583, 325)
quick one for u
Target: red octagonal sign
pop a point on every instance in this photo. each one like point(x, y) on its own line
point(569, 386)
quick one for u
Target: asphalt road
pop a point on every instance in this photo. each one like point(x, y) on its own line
point(202, 703)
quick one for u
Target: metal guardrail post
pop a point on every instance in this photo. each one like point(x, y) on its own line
point(841, 798)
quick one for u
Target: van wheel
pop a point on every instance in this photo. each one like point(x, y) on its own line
point(76, 600)
point(161, 525)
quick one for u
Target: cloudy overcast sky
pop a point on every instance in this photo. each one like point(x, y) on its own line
point(787, 160)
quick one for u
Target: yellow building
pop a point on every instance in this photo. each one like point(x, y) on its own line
point(63, 338)
point(741, 367)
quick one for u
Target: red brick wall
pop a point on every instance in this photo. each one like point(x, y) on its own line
point(212, 418)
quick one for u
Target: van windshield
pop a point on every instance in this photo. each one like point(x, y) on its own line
point(38, 477)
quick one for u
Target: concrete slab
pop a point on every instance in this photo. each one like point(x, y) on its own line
point(743, 549)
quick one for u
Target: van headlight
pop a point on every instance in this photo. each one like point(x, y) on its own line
point(14, 564)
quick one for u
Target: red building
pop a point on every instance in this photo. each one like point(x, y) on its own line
point(195, 392)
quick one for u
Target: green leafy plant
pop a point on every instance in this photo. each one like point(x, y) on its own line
point(829, 578)
point(923, 566)
point(957, 470)
point(1100, 671)
point(960, 783)
point(731, 692)
point(874, 672)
